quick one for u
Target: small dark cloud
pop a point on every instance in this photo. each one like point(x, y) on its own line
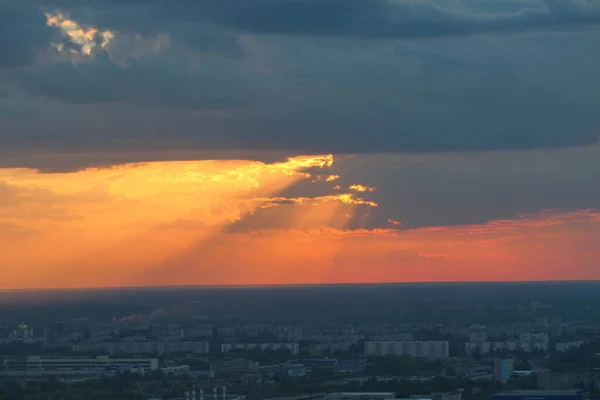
point(282, 214)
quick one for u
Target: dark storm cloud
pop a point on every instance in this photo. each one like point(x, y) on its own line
point(443, 190)
point(23, 31)
point(348, 18)
point(23, 34)
point(463, 189)
point(526, 122)
point(148, 18)
point(102, 81)
point(351, 99)
point(210, 42)
point(389, 18)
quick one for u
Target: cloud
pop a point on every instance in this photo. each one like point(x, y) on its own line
point(394, 18)
point(361, 188)
point(535, 118)
point(235, 222)
point(481, 121)
point(530, 248)
point(457, 189)
point(374, 19)
point(152, 83)
point(74, 218)
point(137, 76)
point(338, 211)
point(86, 40)
point(23, 35)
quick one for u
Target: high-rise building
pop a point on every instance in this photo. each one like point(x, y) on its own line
point(503, 369)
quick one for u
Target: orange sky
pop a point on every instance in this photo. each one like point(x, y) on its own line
point(169, 223)
point(445, 129)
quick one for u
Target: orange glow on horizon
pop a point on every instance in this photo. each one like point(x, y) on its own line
point(128, 218)
point(229, 222)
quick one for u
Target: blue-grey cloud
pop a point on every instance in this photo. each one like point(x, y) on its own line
point(197, 22)
point(392, 18)
point(151, 84)
point(23, 35)
point(349, 18)
point(443, 190)
point(476, 188)
point(309, 83)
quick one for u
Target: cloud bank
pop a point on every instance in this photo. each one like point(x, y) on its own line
point(299, 76)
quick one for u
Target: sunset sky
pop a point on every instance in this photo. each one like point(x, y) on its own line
point(162, 142)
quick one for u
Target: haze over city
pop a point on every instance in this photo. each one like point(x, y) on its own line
point(209, 142)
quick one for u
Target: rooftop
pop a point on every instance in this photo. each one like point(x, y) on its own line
point(538, 392)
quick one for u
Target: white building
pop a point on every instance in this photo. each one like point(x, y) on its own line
point(527, 342)
point(228, 347)
point(22, 334)
point(510, 346)
point(232, 365)
point(351, 339)
point(563, 347)
point(50, 365)
point(323, 348)
point(437, 349)
point(146, 347)
point(399, 337)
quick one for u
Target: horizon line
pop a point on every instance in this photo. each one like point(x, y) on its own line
point(295, 285)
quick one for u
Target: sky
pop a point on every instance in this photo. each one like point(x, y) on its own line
point(210, 142)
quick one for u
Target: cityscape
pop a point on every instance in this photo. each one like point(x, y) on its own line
point(409, 341)
point(299, 200)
